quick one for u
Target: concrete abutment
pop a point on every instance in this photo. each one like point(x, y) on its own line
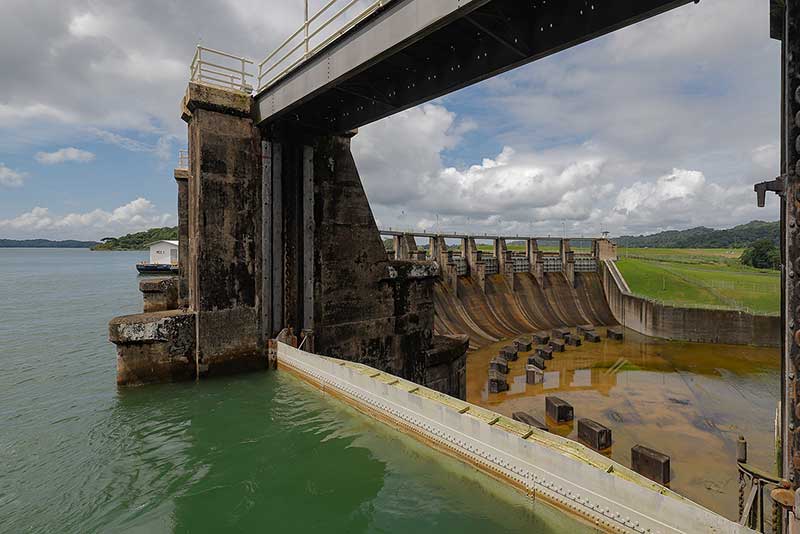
point(276, 231)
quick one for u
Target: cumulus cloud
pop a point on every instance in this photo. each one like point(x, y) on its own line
point(579, 138)
point(136, 215)
point(63, 155)
point(10, 177)
point(682, 198)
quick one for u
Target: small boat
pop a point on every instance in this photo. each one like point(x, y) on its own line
point(156, 268)
point(163, 258)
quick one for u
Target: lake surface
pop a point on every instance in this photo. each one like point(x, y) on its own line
point(255, 453)
point(688, 400)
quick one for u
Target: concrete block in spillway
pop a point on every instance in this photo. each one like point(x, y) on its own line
point(542, 338)
point(533, 375)
point(650, 463)
point(591, 337)
point(528, 419)
point(614, 333)
point(497, 382)
point(557, 345)
point(558, 409)
point(537, 361)
point(584, 328)
point(509, 352)
point(573, 340)
point(499, 365)
point(560, 333)
point(594, 435)
point(523, 345)
point(545, 353)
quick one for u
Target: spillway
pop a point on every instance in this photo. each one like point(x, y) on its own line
point(507, 307)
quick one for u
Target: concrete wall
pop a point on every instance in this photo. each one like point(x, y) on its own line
point(280, 235)
point(369, 309)
point(540, 464)
point(182, 180)
point(687, 324)
point(224, 230)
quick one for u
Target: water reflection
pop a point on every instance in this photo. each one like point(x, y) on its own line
point(690, 401)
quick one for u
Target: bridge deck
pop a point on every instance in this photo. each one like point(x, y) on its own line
point(412, 51)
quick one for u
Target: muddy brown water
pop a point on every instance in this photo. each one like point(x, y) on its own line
point(688, 400)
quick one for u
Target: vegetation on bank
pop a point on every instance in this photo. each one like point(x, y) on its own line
point(713, 278)
point(741, 236)
point(763, 254)
point(138, 240)
point(45, 243)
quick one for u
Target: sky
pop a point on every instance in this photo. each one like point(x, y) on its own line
point(663, 125)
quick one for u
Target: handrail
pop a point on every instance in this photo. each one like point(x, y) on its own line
point(183, 158)
point(233, 76)
point(753, 503)
point(270, 71)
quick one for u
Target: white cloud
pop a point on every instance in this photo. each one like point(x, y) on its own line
point(63, 155)
point(139, 214)
point(767, 156)
point(588, 131)
point(680, 199)
point(10, 177)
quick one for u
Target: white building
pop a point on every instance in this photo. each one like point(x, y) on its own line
point(164, 253)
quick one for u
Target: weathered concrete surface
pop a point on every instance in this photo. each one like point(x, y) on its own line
point(154, 347)
point(182, 180)
point(688, 324)
point(508, 307)
point(604, 249)
point(160, 294)
point(329, 278)
point(219, 209)
point(445, 366)
point(224, 218)
point(367, 308)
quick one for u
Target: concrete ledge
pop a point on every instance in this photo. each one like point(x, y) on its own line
point(154, 347)
point(159, 294)
point(412, 270)
point(201, 96)
point(548, 467)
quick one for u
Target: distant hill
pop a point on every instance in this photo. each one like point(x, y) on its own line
point(45, 243)
point(139, 240)
point(701, 237)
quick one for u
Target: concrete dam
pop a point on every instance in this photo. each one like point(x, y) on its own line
point(491, 296)
point(520, 305)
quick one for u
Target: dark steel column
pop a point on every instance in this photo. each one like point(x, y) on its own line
point(791, 244)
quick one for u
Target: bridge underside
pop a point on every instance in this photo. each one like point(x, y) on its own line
point(462, 43)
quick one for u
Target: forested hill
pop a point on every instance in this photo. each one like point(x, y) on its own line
point(45, 243)
point(139, 240)
point(701, 237)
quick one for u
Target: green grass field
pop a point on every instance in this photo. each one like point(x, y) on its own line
point(700, 277)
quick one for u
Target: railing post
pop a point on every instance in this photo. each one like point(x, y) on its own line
point(306, 31)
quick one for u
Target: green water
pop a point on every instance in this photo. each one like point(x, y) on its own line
point(255, 453)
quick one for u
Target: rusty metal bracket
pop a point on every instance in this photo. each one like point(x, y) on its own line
point(777, 186)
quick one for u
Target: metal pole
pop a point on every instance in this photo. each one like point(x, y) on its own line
point(306, 29)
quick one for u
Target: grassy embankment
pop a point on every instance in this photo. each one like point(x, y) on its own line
point(701, 278)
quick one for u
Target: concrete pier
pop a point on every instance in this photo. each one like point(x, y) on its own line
point(278, 233)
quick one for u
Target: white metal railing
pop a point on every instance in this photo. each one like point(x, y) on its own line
point(221, 69)
point(297, 47)
point(183, 158)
